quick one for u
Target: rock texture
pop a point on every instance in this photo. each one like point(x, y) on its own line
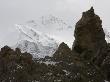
point(63, 53)
point(106, 64)
point(89, 36)
point(77, 69)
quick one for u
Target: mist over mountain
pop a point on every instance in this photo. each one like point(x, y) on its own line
point(54, 27)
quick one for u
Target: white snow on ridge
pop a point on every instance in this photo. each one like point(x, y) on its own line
point(42, 37)
point(35, 42)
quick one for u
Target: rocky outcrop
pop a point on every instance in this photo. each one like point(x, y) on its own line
point(63, 53)
point(90, 37)
point(90, 53)
point(106, 64)
point(76, 68)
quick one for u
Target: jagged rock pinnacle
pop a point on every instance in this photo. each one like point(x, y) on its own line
point(91, 9)
point(89, 13)
point(89, 34)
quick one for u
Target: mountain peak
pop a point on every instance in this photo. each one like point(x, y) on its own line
point(89, 13)
point(63, 44)
point(63, 53)
point(91, 9)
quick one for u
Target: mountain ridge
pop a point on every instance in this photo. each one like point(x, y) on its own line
point(33, 40)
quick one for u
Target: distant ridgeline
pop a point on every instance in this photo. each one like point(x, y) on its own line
point(88, 61)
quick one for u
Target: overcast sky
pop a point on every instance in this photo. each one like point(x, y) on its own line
point(19, 11)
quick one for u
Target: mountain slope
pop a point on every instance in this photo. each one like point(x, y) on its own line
point(35, 42)
point(38, 37)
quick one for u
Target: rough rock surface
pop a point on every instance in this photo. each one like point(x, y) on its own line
point(106, 64)
point(78, 70)
point(63, 52)
point(89, 36)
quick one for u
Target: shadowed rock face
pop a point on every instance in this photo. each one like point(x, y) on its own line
point(63, 53)
point(80, 70)
point(89, 35)
point(106, 64)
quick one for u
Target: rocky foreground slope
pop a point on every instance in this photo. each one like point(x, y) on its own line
point(88, 61)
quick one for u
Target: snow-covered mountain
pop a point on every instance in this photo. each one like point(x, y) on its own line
point(35, 42)
point(57, 27)
point(41, 37)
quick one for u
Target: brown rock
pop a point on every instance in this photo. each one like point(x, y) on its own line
point(63, 53)
point(89, 36)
